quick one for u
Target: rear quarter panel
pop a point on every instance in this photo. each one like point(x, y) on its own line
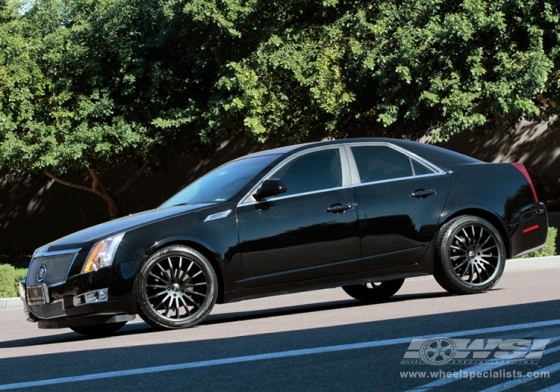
point(499, 193)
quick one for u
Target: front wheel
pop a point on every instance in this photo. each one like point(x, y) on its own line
point(470, 255)
point(372, 292)
point(176, 288)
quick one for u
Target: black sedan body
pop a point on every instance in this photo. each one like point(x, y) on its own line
point(363, 214)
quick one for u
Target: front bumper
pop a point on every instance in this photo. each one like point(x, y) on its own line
point(22, 295)
point(99, 297)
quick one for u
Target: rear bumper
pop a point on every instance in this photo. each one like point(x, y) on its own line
point(529, 233)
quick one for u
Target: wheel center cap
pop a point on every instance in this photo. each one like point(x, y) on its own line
point(472, 254)
point(175, 287)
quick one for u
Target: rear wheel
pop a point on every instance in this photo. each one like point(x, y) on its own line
point(374, 291)
point(99, 330)
point(177, 288)
point(470, 255)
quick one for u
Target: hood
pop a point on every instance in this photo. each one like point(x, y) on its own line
point(86, 237)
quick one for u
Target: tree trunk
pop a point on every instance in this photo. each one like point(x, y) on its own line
point(100, 188)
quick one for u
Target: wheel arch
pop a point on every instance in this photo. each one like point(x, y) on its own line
point(204, 250)
point(490, 217)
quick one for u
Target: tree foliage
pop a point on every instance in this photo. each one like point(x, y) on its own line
point(353, 68)
point(87, 85)
point(91, 80)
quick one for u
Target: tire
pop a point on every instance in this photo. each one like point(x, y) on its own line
point(99, 330)
point(470, 256)
point(176, 288)
point(372, 292)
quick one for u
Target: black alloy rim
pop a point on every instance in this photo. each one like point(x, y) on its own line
point(475, 255)
point(176, 287)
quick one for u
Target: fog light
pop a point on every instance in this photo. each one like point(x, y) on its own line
point(96, 296)
point(91, 297)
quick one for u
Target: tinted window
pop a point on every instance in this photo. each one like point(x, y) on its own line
point(223, 183)
point(420, 168)
point(378, 163)
point(312, 172)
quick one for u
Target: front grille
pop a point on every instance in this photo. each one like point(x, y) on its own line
point(48, 311)
point(56, 269)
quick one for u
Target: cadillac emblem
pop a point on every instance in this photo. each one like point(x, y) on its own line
point(41, 273)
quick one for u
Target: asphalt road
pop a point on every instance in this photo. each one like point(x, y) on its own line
point(315, 341)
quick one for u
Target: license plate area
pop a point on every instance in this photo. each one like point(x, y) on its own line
point(38, 294)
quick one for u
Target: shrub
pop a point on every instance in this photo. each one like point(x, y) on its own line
point(9, 280)
point(21, 273)
point(549, 248)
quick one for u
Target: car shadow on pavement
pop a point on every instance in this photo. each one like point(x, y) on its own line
point(134, 328)
point(335, 357)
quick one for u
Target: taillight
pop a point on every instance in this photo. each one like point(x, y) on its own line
point(524, 171)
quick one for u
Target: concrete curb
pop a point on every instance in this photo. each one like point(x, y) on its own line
point(533, 262)
point(511, 265)
point(6, 303)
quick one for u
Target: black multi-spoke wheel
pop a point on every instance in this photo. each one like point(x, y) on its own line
point(177, 288)
point(374, 291)
point(470, 255)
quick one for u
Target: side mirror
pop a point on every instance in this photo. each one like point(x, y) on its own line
point(271, 187)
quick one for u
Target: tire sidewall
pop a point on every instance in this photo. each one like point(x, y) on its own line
point(145, 309)
point(380, 293)
point(445, 273)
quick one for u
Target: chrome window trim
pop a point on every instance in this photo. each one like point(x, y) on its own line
point(350, 173)
point(248, 199)
point(398, 179)
point(277, 198)
point(354, 167)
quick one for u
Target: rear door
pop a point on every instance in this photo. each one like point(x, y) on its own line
point(399, 199)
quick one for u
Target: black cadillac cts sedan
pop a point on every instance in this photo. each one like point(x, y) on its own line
point(362, 214)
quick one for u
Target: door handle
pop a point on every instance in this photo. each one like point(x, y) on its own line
point(423, 193)
point(338, 208)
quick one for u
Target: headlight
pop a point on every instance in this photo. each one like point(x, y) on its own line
point(102, 253)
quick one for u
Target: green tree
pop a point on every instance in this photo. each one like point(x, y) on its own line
point(88, 85)
point(85, 82)
point(394, 68)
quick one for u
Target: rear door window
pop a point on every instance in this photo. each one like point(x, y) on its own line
point(382, 163)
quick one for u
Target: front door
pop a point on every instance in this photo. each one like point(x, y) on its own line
point(309, 232)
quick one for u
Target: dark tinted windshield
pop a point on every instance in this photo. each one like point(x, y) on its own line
point(222, 183)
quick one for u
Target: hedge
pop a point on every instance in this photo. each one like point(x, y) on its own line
point(9, 280)
point(549, 248)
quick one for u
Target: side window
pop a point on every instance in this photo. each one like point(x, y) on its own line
point(312, 172)
point(378, 163)
point(420, 169)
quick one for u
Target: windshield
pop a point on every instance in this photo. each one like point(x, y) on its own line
point(222, 183)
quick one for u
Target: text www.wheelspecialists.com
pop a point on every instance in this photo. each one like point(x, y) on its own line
point(496, 374)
